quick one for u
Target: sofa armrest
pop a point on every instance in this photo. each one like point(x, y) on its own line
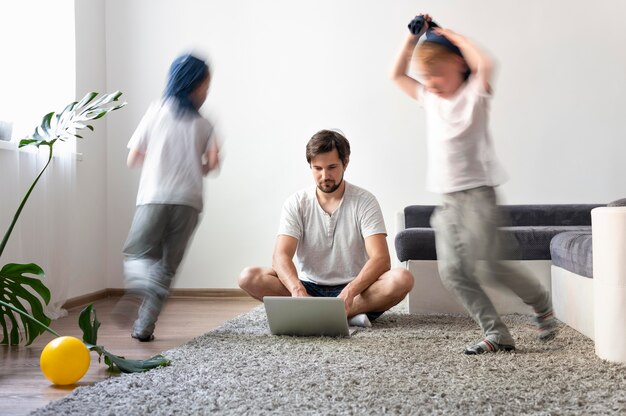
point(608, 226)
point(608, 229)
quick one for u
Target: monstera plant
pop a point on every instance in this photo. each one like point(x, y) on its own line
point(22, 292)
point(17, 288)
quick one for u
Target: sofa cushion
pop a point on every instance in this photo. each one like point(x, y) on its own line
point(418, 216)
point(573, 251)
point(541, 215)
point(549, 215)
point(533, 243)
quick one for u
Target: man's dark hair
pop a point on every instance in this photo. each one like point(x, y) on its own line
point(325, 141)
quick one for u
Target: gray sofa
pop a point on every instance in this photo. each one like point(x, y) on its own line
point(533, 227)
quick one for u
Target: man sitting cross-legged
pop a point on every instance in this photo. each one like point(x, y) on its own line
point(337, 233)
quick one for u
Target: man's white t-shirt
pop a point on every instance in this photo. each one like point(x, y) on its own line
point(173, 147)
point(331, 248)
point(460, 150)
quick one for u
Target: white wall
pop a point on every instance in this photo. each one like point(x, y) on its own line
point(285, 69)
point(89, 215)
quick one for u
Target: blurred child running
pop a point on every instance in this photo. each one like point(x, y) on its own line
point(175, 147)
point(454, 89)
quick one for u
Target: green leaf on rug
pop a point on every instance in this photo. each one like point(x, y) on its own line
point(88, 322)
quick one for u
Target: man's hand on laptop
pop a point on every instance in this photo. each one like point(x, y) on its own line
point(299, 292)
point(348, 298)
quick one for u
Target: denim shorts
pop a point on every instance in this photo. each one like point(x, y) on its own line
point(323, 291)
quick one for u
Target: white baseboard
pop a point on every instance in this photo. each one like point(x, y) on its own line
point(195, 293)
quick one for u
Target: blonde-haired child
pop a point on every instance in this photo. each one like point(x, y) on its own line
point(454, 89)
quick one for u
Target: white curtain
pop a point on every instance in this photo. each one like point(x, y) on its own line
point(43, 234)
point(37, 76)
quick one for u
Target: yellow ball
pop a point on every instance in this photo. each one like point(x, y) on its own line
point(65, 360)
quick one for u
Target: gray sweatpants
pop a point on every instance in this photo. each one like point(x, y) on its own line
point(466, 230)
point(155, 246)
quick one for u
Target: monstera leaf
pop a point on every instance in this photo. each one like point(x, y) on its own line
point(88, 322)
point(14, 292)
point(17, 289)
point(63, 125)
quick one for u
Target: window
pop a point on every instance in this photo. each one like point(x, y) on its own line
point(37, 70)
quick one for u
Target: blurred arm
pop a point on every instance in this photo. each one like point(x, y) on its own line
point(135, 158)
point(211, 159)
point(399, 72)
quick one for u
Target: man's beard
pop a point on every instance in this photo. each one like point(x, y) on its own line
point(330, 188)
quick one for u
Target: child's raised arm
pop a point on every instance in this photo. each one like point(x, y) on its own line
point(399, 73)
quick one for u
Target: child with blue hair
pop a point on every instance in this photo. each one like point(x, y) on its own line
point(176, 148)
point(454, 89)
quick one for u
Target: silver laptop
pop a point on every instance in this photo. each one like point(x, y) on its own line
point(307, 316)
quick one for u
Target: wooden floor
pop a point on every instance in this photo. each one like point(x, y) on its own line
point(23, 388)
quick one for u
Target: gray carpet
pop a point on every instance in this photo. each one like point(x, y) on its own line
point(405, 364)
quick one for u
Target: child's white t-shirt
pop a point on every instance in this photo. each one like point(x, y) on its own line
point(173, 147)
point(460, 150)
point(331, 247)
